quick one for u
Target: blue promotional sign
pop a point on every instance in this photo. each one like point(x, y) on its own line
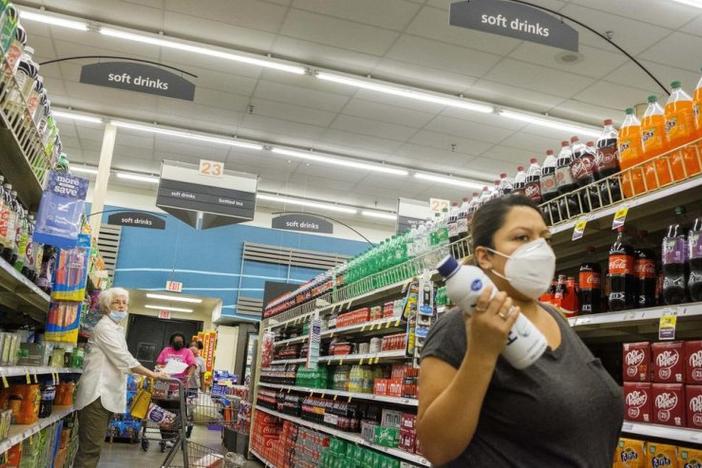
point(60, 210)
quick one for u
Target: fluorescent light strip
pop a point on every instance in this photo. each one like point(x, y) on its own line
point(137, 177)
point(311, 156)
point(188, 135)
point(381, 87)
point(549, 123)
point(172, 44)
point(73, 116)
point(692, 3)
point(166, 297)
point(307, 203)
point(83, 169)
point(52, 20)
point(172, 309)
point(379, 215)
point(449, 180)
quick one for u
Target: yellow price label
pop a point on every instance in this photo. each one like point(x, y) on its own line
point(29, 380)
point(620, 217)
point(335, 397)
point(397, 323)
point(360, 363)
point(579, 229)
point(349, 400)
point(388, 325)
point(341, 361)
point(363, 328)
point(5, 383)
point(667, 325)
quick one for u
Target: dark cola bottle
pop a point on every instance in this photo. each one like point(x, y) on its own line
point(607, 164)
point(621, 274)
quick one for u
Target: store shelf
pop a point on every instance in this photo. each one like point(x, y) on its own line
point(18, 371)
point(680, 434)
point(20, 432)
point(18, 293)
point(350, 395)
point(261, 458)
point(16, 166)
point(368, 358)
point(289, 341)
point(388, 323)
point(634, 317)
point(351, 437)
point(289, 361)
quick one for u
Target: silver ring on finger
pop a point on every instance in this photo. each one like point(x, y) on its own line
point(505, 315)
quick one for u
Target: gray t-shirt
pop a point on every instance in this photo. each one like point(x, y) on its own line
point(565, 410)
point(197, 372)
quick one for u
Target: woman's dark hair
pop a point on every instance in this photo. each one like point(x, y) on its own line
point(197, 344)
point(491, 216)
point(176, 335)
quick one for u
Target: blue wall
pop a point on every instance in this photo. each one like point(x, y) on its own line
point(208, 262)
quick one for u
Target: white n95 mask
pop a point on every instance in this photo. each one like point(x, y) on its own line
point(530, 268)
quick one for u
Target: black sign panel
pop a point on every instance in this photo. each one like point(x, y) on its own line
point(302, 222)
point(514, 20)
point(405, 223)
point(136, 219)
point(274, 289)
point(138, 77)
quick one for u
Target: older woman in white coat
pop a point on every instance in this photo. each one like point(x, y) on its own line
point(102, 387)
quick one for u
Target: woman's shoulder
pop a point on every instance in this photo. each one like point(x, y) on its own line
point(447, 338)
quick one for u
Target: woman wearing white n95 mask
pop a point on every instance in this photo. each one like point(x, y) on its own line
point(102, 387)
point(475, 409)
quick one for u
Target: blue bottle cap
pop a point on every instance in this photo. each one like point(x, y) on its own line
point(448, 266)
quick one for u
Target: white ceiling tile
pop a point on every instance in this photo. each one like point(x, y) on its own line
point(657, 12)
point(344, 142)
point(422, 76)
point(336, 32)
point(310, 171)
point(471, 130)
point(668, 51)
point(433, 23)
point(90, 134)
point(135, 139)
point(528, 142)
point(611, 95)
point(213, 98)
point(136, 152)
point(372, 128)
point(442, 56)
point(583, 111)
point(189, 150)
point(193, 62)
point(537, 78)
point(70, 43)
point(324, 55)
point(291, 112)
point(514, 96)
point(228, 82)
point(491, 168)
point(512, 157)
point(595, 62)
point(259, 126)
point(694, 26)
point(443, 141)
point(493, 119)
point(135, 14)
point(632, 36)
point(383, 98)
point(389, 14)
point(421, 155)
point(387, 113)
point(300, 96)
point(252, 14)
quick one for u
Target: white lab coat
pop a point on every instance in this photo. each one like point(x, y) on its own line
point(106, 368)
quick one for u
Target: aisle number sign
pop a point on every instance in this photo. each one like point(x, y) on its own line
point(211, 168)
point(174, 286)
point(164, 314)
point(438, 204)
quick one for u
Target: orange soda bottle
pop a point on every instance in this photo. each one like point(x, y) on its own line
point(680, 128)
point(697, 113)
point(655, 142)
point(631, 154)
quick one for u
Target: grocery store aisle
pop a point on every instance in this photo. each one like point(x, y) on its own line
point(119, 455)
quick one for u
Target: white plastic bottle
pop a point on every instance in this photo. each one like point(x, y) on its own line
point(464, 284)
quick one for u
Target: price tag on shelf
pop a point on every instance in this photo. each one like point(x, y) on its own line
point(36, 380)
point(579, 229)
point(363, 328)
point(397, 323)
point(5, 383)
point(666, 325)
point(387, 325)
point(335, 396)
point(349, 400)
point(341, 361)
point(29, 380)
point(620, 217)
point(360, 363)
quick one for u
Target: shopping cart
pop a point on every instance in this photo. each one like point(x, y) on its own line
point(166, 395)
point(198, 408)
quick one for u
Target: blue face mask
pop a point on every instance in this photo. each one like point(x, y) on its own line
point(118, 315)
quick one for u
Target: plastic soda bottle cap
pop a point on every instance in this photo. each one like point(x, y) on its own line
point(652, 99)
point(520, 168)
point(675, 84)
point(573, 139)
point(608, 122)
point(532, 160)
point(629, 111)
point(503, 175)
point(549, 152)
point(565, 143)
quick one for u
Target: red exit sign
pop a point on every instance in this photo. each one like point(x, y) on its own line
point(174, 286)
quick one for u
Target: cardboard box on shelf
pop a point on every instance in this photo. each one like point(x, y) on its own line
point(668, 362)
point(390, 418)
point(668, 404)
point(693, 397)
point(663, 455)
point(638, 401)
point(636, 359)
point(693, 362)
point(688, 457)
point(630, 453)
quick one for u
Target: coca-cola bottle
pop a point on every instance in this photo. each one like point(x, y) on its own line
point(674, 260)
point(506, 186)
point(519, 181)
point(694, 242)
point(568, 206)
point(645, 275)
point(559, 294)
point(607, 163)
point(462, 219)
point(582, 169)
point(452, 224)
point(590, 280)
point(532, 187)
point(570, 300)
point(621, 274)
point(473, 205)
point(485, 196)
point(496, 191)
point(549, 188)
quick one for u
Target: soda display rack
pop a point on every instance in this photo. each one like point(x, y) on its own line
point(388, 323)
point(349, 436)
point(350, 395)
point(634, 316)
point(19, 371)
point(21, 293)
point(680, 434)
point(368, 358)
point(289, 361)
point(18, 433)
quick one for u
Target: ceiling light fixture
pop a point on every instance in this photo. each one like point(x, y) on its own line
point(138, 177)
point(449, 180)
point(186, 134)
point(307, 203)
point(389, 88)
point(312, 156)
point(185, 47)
point(379, 215)
point(52, 20)
point(166, 297)
point(548, 122)
point(692, 3)
point(73, 116)
point(84, 169)
point(172, 309)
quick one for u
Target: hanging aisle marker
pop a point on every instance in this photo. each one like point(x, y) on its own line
point(579, 229)
point(667, 325)
point(620, 217)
